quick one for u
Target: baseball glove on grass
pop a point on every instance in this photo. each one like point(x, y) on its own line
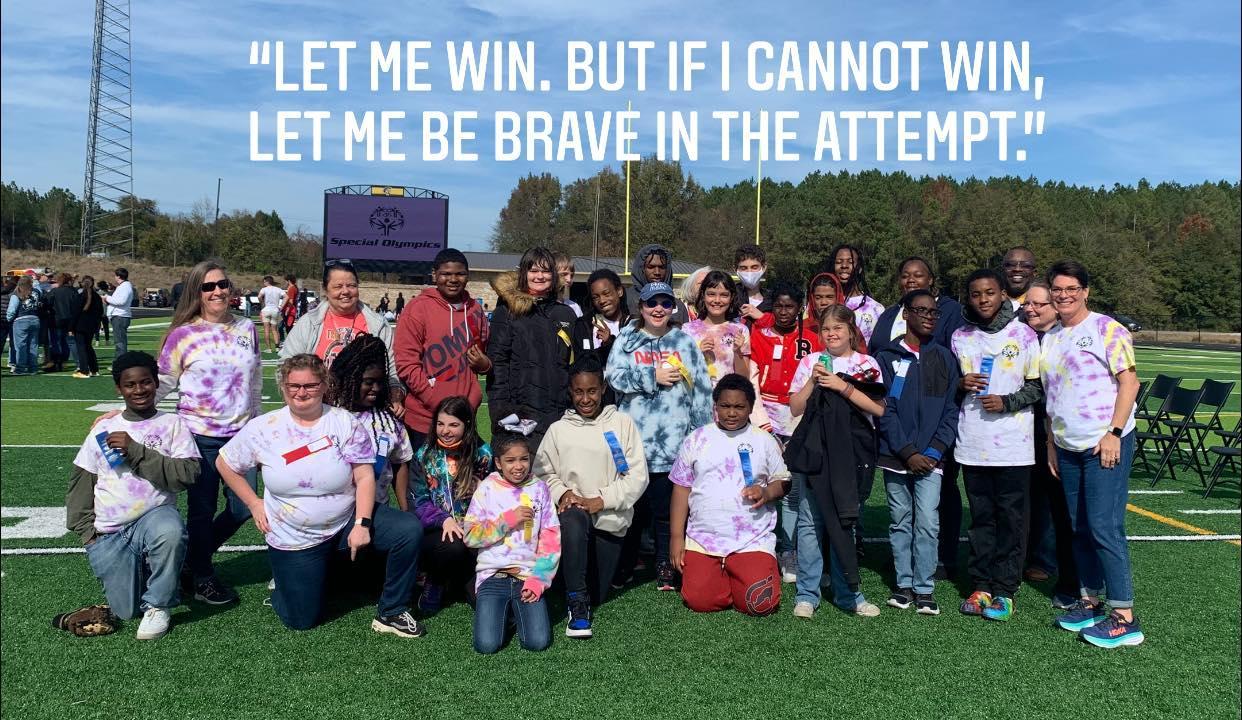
point(89, 621)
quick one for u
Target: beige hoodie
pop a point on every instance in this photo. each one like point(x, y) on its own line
point(575, 456)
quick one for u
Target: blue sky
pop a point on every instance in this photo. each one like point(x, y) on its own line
point(1131, 90)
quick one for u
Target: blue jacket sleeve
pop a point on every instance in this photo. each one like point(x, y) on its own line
point(889, 424)
point(946, 431)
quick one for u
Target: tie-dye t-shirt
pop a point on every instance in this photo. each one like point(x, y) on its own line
point(1079, 368)
point(308, 487)
point(732, 339)
point(392, 443)
point(504, 543)
point(217, 368)
point(866, 313)
point(991, 438)
point(856, 365)
point(710, 464)
point(122, 497)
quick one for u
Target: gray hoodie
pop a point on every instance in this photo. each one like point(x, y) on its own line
point(304, 336)
point(639, 279)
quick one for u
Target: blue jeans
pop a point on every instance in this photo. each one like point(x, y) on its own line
point(810, 554)
point(497, 597)
point(207, 535)
point(913, 502)
point(1097, 505)
point(301, 575)
point(788, 517)
point(138, 564)
point(26, 343)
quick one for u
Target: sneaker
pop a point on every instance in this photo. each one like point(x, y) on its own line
point(866, 609)
point(1063, 602)
point(1113, 632)
point(154, 625)
point(788, 562)
point(620, 580)
point(1001, 608)
point(804, 609)
point(271, 585)
point(1081, 616)
point(579, 625)
point(902, 598)
point(975, 604)
point(666, 578)
point(1035, 574)
point(430, 600)
point(403, 625)
point(926, 605)
point(81, 375)
point(214, 592)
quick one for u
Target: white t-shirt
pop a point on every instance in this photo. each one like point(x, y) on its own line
point(391, 443)
point(710, 464)
point(272, 297)
point(1005, 439)
point(122, 497)
point(1079, 368)
point(308, 488)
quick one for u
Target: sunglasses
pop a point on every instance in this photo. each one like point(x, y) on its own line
point(343, 262)
point(665, 303)
point(224, 284)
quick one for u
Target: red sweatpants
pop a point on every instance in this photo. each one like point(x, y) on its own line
point(748, 581)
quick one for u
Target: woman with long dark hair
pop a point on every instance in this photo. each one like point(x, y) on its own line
point(85, 324)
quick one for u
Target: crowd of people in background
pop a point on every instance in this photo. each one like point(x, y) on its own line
point(724, 438)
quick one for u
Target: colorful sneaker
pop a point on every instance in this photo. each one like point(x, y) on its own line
point(1113, 632)
point(579, 625)
point(1001, 608)
point(902, 598)
point(804, 610)
point(155, 623)
point(975, 604)
point(403, 625)
point(789, 567)
point(1081, 616)
point(666, 578)
point(926, 605)
point(214, 592)
point(431, 598)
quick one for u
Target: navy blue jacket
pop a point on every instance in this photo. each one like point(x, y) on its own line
point(950, 320)
point(925, 414)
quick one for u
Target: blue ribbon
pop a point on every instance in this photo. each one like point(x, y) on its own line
point(618, 457)
point(112, 455)
point(748, 474)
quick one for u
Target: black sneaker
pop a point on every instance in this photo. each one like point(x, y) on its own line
point(214, 592)
point(902, 598)
point(579, 624)
point(403, 625)
point(926, 605)
point(666, 577)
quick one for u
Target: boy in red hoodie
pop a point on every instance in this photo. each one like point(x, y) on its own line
point(440, 344)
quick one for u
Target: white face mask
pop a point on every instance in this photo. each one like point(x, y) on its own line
point(751, 278)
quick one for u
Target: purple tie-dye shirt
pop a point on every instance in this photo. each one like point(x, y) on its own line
point(217, 368)
point(867, 313)
point(721, 521)
point(1079, 369)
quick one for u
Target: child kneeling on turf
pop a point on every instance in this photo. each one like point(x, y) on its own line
point(593, 462)
point(122, 498)
point(512, 521)
point(726, 479)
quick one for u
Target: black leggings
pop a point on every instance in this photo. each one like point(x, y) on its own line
point(588, 556)
point(449, 564)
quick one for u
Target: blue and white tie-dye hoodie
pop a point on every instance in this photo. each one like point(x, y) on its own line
point(664, 415)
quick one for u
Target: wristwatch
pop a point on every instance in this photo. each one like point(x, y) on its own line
point(363, 522)
point(1116, 431)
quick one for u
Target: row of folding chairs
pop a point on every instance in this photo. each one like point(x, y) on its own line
point(1181, 426)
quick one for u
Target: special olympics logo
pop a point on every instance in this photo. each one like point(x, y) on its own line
point(1085, 342)
point(387, 219)
point(1010, 350)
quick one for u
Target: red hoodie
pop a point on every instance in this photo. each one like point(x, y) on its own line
point(430, 352)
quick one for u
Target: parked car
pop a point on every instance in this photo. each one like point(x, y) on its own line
point(156, 298)
point(1130, 323)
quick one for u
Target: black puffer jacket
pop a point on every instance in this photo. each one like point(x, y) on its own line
point(530, 348)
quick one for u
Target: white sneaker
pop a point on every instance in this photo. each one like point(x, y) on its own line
point(271, 585)
point(866, 609)
point(788, 562)
point(154, 625)
point(804, 610)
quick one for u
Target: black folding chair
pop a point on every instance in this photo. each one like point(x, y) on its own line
point(1227, 454)
point(1157, 390)
point(1215, 395)
point(1181, 407)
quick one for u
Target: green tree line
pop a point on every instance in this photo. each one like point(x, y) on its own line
point(1168, 254)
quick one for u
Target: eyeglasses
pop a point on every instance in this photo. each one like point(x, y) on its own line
point(658, 302)
point(1036, 305)
point(1072, 290)
point(295, 388)
point(924, 312)
point(224, 284)
point(1018, 265)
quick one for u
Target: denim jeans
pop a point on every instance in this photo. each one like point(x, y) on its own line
point(207, 535)
point(120, 332)
point(498, 596)
point(810, 554)
point(301, 575)
point(138, 565)
point(1097, 505)
point(26, 343)
point(913, 502)
point(58, 349)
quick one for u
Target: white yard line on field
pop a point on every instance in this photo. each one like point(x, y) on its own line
point(1211, 512)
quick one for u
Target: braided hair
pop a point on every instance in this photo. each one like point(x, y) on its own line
point(858, 278)
point(363, 353)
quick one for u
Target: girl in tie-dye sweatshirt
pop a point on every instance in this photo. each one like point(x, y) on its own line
point(512, 521)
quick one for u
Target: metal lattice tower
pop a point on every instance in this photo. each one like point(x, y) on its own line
point(108, 207)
